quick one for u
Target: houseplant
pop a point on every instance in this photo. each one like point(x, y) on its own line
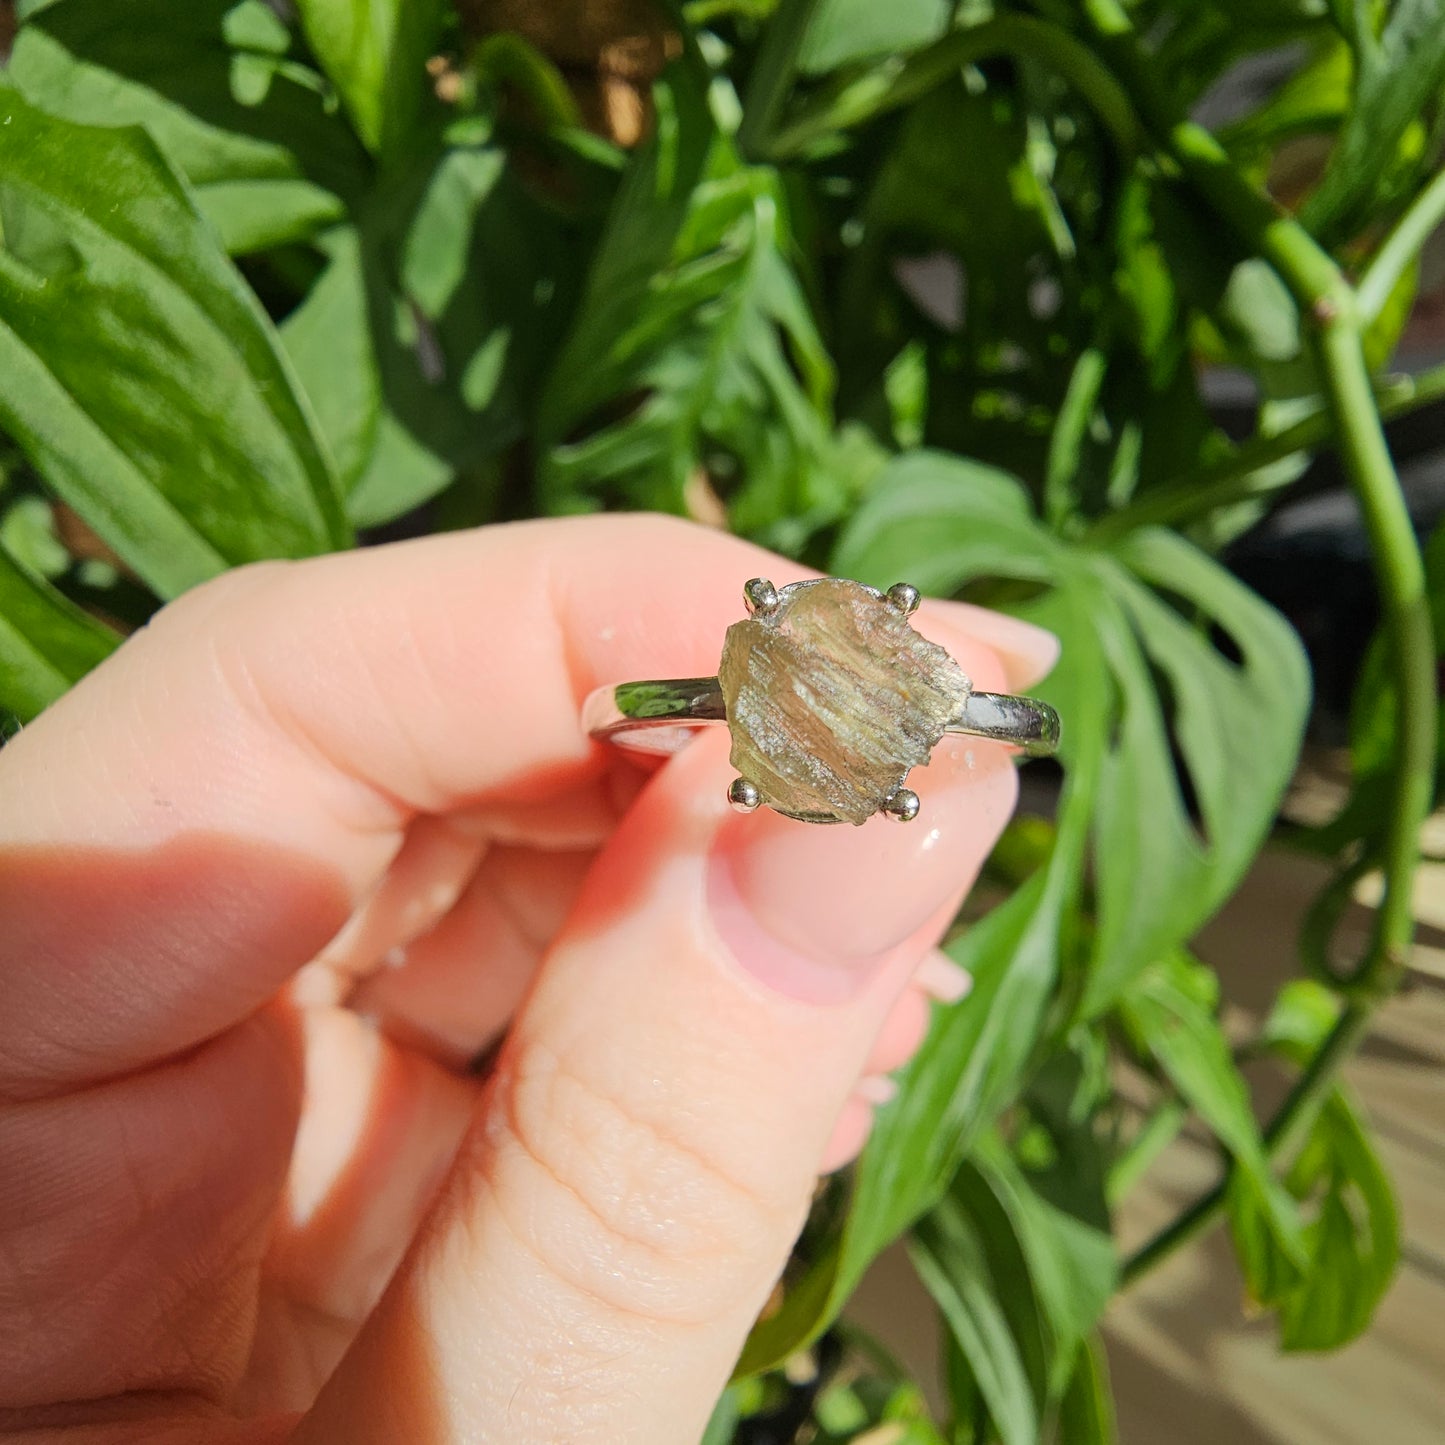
point(919, 290)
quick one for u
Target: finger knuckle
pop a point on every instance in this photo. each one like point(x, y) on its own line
point(602, 1185)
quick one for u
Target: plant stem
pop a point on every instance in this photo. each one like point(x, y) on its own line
point(1400, 247)
point(897, 82)
point(1234, 478)
point(773, 74)
point(1326, 298)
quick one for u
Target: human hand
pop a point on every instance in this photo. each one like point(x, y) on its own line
point(248, 1191)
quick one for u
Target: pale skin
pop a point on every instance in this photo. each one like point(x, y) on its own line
point(323, 833)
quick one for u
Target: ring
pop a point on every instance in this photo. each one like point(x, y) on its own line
point(830, 696)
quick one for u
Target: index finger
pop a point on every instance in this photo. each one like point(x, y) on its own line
point(200, 815)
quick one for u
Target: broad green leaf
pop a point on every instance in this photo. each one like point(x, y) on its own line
point(843, 31)
point(1147, 607)
point(141, 376)
point(952, 1263)
point(468, 286)
point(1086, 1416)
point(1351, 1244)
point(1006, 1268)
point(328, 340)
point(1170, 1011)
point(1052, 1270)
point(46, 642)
point(1158, 876)
point(375, 53)
point(1354, 1244)
point(268, 166)
point(694, 360)
point(1069, 1251)
point(940, 520)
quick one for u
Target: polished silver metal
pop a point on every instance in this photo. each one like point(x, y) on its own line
point(905, 597)
point(760, 595)
point(903, 806)
point(744, 796)
point(660, 715)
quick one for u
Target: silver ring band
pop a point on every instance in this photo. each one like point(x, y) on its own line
point(659, 716)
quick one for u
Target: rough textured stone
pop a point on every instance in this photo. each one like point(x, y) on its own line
point(832, 698)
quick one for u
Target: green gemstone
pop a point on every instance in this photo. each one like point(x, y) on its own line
point(832, 697)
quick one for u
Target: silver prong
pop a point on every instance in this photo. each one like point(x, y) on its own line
point(903, 806)
point(760, 595)
point(904, 596)
point(743, 795)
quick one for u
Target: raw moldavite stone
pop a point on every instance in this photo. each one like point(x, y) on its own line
point(832, 697)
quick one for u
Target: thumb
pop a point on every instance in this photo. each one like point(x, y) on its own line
point(645, 1156)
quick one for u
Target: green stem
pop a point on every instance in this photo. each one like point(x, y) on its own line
point(895, 83)
point(1236, 478)
point(773, 74)
point(1326, 299)
point(1400, 248)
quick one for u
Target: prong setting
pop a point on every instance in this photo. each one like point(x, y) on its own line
point(903, 806)
point(761, 596)
point(905, 597)
point(744, 796)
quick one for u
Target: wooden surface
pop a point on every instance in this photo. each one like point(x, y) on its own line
point(1189, 1367)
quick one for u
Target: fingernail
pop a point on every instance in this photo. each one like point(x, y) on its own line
point(814, 911)
point(942, 979)
point(1028, 653)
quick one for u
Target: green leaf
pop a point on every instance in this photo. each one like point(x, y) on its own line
point(328, 340)
point(142, 378)
point(1072, 1264)
point(1397, 75)
point(1051, 1269)
point(723, 1424)
point(27, 532)
point(942, 520)
point(1303, 1014)
point(46, 642)
point(1086, 1416)
point(952, 1263)
point(375, 53)
point(1158, 876)
point(1351, 1244)
point(1148, 607)
point(267, 168)
point(1170, 1011)
point(1312, 101)
point(1354, 1243)
point(694, 359)
point(468, 284)
point(844, 31)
